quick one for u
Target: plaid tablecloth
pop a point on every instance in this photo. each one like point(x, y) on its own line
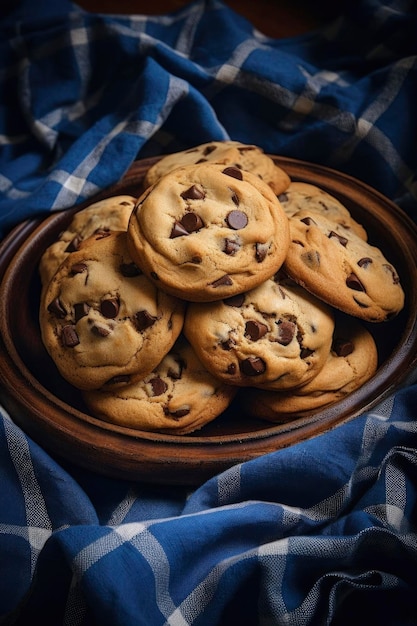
point(323, 532)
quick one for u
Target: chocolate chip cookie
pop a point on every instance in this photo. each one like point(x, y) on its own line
point(342, 269)
point(208, 231)
point(276, 336)
point(179, 396)
point(300, 196)
point(102, 321)
point(243, 156)
point(352, 361)
point(109, 214)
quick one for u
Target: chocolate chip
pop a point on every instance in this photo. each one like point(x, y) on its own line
point(179, 412)
point(129, 270)
point(80, 310)
point(193, 193)
point(255, 330)
point(234, 172)
point(365, 261)
point(178, 230)
point(196, 259)
point(191, 222)
point(100, 331)
point(208, 150)
point(283, 197)
point(235, 198)
point(231, 369)
point(342, 240)
point(261, 250)
point(305, 353)
point(74, 244)
point(311, 259)
point(120, 378)
point(110, 307)
point(228, 344)
point(253, 366)
point(236, 300)
point(353, 282)
point(56, 308)
point(158, 385)
point(223, 281)
point(237, 219)
point(231, 247)
point(144, 320)
point(78, 268)
point(69, 336)
point(286, 332)
point(308, 221)
point(342, 347)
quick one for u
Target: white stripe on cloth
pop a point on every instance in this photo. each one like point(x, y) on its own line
point(39, 526)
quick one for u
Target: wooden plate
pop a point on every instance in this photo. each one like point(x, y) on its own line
point(53, 414)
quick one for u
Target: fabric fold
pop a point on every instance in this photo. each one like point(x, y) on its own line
point(323, 532)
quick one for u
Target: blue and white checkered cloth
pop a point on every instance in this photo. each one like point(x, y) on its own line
point(324, 532)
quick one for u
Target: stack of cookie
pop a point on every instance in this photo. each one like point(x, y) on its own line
point(223, 278)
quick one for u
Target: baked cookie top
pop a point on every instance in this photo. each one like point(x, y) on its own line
point(342, 269)
point(179, 396)
point(300, 196)
point(352, 361)
point(243, 156)
point(276, 336)
point(102, 321)
point(110, 214)
point(205, 232)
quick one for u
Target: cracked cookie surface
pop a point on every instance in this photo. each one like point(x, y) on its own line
point(205, 232)
point(352, 361)
point(179, 396)
point(275, 336)
point(110, 214)
point(342, 269)
point(244, 156)
point(102, 321)
point(299, 196)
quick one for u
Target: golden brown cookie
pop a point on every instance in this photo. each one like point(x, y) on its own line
point(205, 232)
point(248, 157)
point(352, 361)
point(179, 396)
point(102, 321)
point(300, 196)
point(275, 336)
point(253, 159)
point(110, 214)
point(342, 269)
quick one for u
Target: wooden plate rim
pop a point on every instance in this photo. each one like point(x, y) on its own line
point(174, 459)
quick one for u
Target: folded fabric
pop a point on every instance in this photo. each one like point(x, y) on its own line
point(323, 532)
point(82, 95)
point(320, 533)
